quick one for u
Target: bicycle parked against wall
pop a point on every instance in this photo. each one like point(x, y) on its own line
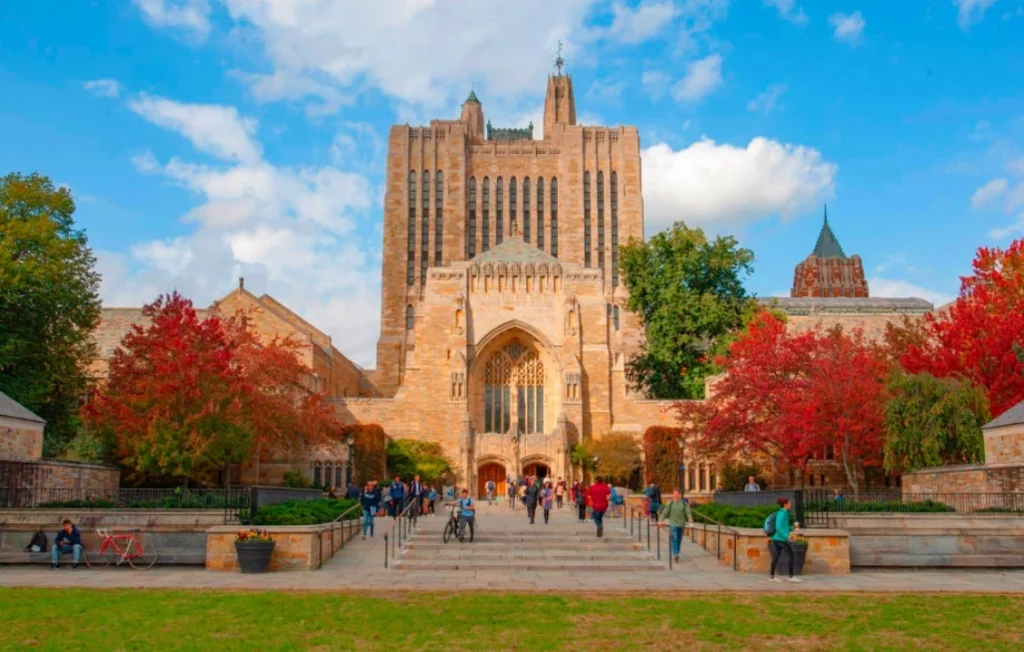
point(117, 549)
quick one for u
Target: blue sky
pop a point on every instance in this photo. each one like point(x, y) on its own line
point(208, 139)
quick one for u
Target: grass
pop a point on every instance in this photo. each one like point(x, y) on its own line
point(82, 619)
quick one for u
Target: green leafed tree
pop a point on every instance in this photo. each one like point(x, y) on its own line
point(933, 421)
point(688, 294)
point(49, 303)
point(409, 457)
point(618, 456)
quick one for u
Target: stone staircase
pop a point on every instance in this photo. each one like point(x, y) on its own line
point(505, 541)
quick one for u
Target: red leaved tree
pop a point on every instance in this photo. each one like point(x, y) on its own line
point(981, 335)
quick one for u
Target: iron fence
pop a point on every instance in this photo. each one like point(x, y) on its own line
point(235, 501)
point(797, 498)
point(820, 505)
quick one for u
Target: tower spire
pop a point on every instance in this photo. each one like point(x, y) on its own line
point(559, 61)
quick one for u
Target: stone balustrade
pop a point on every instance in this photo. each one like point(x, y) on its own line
point(828, 551)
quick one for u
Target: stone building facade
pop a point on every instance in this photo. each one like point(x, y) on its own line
point(828, 272)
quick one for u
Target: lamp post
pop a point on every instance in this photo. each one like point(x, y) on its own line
point(595, 465)
point(682, 468)
point(350, 440)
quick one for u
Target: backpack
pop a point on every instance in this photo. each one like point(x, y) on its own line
point(769, 523)
point(38, 543)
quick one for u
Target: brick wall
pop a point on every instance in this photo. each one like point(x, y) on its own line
point(828, 551)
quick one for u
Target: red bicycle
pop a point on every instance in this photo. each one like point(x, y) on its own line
point(117, 549)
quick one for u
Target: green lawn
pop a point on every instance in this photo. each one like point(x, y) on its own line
point(81, 619)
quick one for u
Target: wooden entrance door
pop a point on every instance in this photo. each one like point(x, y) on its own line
point(540, 470)
point(495, 472)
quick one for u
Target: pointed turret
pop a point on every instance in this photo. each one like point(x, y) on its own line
point(828, 272)
point(473, 117)
point(828, 245)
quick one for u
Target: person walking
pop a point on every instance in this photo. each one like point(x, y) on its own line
point(676, 515)
point(751, 485)
point(370, 500)
point(432, 501)
point(780, 540)
point(559, 493)
point(580, 498)
point(490, 491)
point(397, 494)
point(617, 502)
point(531, 497)
point(599, 493)
point(547, 496)
point(467, 515)
point(511, 493)
point(416, 494)
point(522, 491)
point(653, 500)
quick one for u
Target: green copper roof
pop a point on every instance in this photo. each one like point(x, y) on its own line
point(472, 96)
point(515, 250)
point(828, 246)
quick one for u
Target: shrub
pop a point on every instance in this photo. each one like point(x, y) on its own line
point(304, 512)
point(734, 516)
point(618, 456)
point(876, 506)
point(409, 457)
point(369, 450)
point(295, 479)
point(80, 504)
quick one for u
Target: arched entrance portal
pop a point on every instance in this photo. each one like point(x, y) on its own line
point(542, 471)
point(492, 471)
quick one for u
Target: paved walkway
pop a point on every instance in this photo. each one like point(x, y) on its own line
point(360, 566)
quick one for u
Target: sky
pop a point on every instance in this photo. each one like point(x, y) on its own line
point(205, 140)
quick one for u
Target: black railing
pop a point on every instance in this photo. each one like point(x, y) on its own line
point(235, 501)
point(820, 505)
point(797, 498)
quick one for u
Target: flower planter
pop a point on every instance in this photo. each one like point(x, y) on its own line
point(254, 556)
point(799, 556)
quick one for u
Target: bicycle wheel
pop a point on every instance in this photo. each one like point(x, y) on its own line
point(100, 558)
point(449, 532)
point(144, 554)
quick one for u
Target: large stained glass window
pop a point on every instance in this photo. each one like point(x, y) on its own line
point(514, 371)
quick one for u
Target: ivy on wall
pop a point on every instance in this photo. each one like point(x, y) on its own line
point(662, 455)
point(369, 451)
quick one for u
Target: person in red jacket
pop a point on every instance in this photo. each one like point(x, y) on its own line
point(599, 493)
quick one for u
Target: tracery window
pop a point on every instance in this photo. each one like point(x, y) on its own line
point(615, 229)
point(438, 215)
point(514, 372)
point(410, 269)
point(540, 213)
point(425, 233)
point(409, 317)
point(486, 224)
point(586, 219)
point(499, 201)
point(512, 192)
point(526, 209)
point(554, 217)
point(471, 230)
point(600, 220)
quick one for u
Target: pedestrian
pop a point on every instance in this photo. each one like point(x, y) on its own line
point(599, 493)
point(490, 491)
point(416, 493)
point(522, 491)
point(617, 501)
point(67, 541)
point(654, 500)
point(531, 497)
point(467, 515)
point(676, 515)
point(352, 492)
point(751, 485)
point(370, 500)
point(385, 501)
point(397, 494)
point(432, 501)
point(579, 497)
point(511, 494)
point(780, 540)
point(332, 493)
point(559, 493)
point(547, 498)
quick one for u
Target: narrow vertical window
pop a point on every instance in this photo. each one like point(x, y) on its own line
point(409, 317)
point(615, 230)
point(600, 220)
point(526, 209)
point(586, 219)
point(438, 216)
point(554, 217)
point(425, 232)
point(486, 224)
point(513, 190)
point(471, 227)
point(499, 206)
point(410, 269)
point(615, 316)
point(540, 213)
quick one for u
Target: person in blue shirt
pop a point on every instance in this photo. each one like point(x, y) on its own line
point(431, 500)
point(370, 500)
point(467, 515)
point(780, 540)
point(397, 494)
point(68, 540)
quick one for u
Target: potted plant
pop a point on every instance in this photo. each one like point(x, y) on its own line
point(799, 544)
point(254, 549)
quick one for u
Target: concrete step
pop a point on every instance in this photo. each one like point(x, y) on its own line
point(464, 553)
point(624, 566)
point(484, 546)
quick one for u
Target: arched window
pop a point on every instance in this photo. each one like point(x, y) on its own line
point(410, 317)
point(526, 209)
point(425, 232)
point(471, 227)
point(600, 220)
point(514, 372)
point(337, 474)
point(615, 316)
point(410, 269)
point(586, 219)
point(438, 215)
point(486, 224)
point(499, 205)
point(554, 217)
point(513, 190)
point(615, 229)
point(540, 213)
point(317, 478)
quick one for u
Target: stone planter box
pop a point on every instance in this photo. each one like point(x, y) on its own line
point(296, 547)
point(828, 551)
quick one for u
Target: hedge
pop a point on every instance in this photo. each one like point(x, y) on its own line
point(304, 512)
point(876, 506)
point(734, 516)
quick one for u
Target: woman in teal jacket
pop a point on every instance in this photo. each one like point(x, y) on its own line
point(781, 540)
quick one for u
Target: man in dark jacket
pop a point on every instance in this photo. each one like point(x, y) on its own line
point(531, 498)
point(352, 493)
point(68, 540)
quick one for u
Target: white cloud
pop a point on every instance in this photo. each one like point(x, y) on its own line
point(788, 10)
point(702, 78)
point(655, 82)
point(1015, 198)
point(988, 192)
point(1008, 230)
point(634, 25)
point(969, 12)
point(103, 87)
point(192, 16)
point(898, 288)
point(712, 184)
point(605, 90)
point(766, 101)
point(213, 129)
point(847, 28)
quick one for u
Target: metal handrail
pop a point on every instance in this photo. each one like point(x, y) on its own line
point(330, 526)
point(729, 529)
point(412, 516)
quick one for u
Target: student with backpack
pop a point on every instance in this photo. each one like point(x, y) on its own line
point(777, 527)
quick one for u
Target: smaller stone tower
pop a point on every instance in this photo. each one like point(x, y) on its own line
point(473, 117)
point(828, 271)
point(559, 101)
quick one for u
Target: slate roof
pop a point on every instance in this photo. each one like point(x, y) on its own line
point(848, 305)
point(15, 410)
point(1011, 417)
point(827, 245)
point(514, 250)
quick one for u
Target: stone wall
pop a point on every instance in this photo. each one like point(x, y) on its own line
point(969, 478)
point(1005, 445)
point(77, 479)
point(828, 551)
point(298, 547)
point(20, 439)
point(934, 540)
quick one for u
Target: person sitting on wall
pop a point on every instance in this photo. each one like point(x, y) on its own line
point(751, 485)
point(68, 540)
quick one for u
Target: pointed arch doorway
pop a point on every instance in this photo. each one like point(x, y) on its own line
point(491, 471)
